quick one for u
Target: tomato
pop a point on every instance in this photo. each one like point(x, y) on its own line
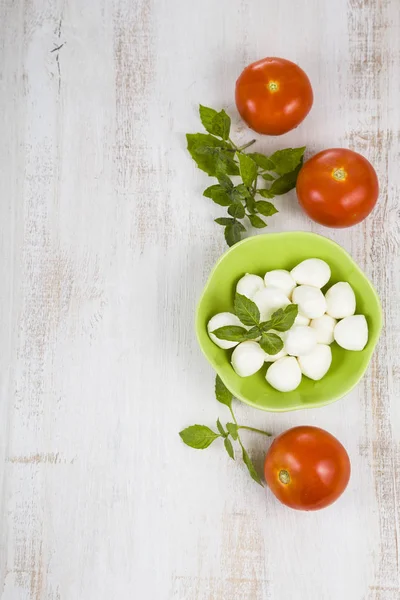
point(307, 468)
point(337, 187)
point(273, 96)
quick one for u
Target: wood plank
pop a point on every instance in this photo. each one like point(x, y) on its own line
point(105, 245)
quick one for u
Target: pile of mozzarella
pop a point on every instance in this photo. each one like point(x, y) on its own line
point(321, 320)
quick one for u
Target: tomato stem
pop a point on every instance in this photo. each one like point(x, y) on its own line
point(284, 477)
point(254, 429)
point(339, 174)
point(273, 86)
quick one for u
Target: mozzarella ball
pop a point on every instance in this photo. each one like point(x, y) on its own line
point(311, 301)
point(340, 300)
point(247, 358)
point(249, 284)
point(222, 320)
point(284, 375)
point(301, 320)
point(300, 340)
point(316, 364)
point(269, 300)
point(351, 333)
point(313, 271)
point(274, 357)
point(280, 279)
point(324, 327)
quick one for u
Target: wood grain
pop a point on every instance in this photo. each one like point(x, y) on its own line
point(105, 245)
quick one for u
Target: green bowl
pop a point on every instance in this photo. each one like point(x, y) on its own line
point(284, 251)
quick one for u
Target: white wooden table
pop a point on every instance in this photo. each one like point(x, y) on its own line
point(105, 245)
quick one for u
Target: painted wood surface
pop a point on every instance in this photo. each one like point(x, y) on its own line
point(105, 245)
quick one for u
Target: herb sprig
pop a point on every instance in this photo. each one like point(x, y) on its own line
point(215, 153)
point(201, 436)
point(248, 313)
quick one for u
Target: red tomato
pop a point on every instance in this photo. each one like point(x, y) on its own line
point(273, 96)
point(307, 468)
point(337, 187)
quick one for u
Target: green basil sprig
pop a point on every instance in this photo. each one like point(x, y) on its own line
point(201, 436)
point(247, 311)
point(215, 153)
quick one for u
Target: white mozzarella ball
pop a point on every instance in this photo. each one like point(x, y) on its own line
point(274, 357)
point(247, 358)
point(324, 327)
point(351, 333)
point(313, 271)
point(269, 300)
point(249, 284)
point(222, 320)
point(301, 320)
point(311, 301)
point(300, 340)
point(280, 279)
point(316, 364)
point(340, 300)
point(284, 375)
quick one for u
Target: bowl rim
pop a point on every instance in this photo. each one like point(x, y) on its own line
point(316, 404)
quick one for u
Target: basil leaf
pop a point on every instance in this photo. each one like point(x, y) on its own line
point(202, 148)
point(222, 393)
point(240, 192)
point(231, 333)
point(224, 123)
point(271, 343)
point(232, 233)
point(218, 195)
point(262, 161)
point(265, 208)
point(225, 182)
point(198, 436)
point(256, 221)
point(237, 211)
point(224, 221)
point(252, 334)
point(251, 205)
point(247, 461)
point(232, 430)
point(285, 161)
point(267, 177)
point(248, 169)
point(246, 311)
point(224, 163)
point(207, 116)
point(285, 183)
point(282, 319)
point(229, 448)
point(220, 428)
point(265, 193)
point(217, 123)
